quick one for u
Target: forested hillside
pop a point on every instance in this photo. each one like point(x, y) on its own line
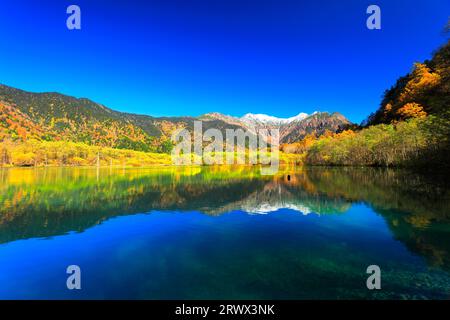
point(411, 127)
point(34, 124)
point(424, 91)
point(56, 117)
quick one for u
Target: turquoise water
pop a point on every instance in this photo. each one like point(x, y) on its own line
point(217, 233)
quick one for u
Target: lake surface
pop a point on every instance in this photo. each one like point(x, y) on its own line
point(223, 233)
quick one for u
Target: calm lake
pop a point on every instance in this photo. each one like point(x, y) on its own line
point(223, 233)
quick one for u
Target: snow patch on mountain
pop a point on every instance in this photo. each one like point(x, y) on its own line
point(265, 208)
point(260, 118)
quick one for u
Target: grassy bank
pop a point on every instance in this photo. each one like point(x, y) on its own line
point(418, 142)
point(33, 153)
point(62, 153)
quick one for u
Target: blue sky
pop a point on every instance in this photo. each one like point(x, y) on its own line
point(192, 57)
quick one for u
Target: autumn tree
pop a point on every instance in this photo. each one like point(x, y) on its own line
point(411, 110)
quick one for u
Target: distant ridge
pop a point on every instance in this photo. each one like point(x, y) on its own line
point(54, 116)
point(266, 119)
point(291, 129)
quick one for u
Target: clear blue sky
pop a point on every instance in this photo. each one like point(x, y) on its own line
point(232, 56)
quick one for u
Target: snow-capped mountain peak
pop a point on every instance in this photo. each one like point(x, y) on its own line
point(266, 119)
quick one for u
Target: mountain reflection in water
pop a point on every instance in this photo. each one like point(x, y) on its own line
point(47, 202)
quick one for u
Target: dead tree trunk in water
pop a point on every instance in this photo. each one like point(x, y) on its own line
point(98, 159)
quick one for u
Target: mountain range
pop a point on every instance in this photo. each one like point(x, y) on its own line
point(291, 129)
point(54, 116)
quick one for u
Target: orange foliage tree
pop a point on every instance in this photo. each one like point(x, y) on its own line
point(411, 110)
